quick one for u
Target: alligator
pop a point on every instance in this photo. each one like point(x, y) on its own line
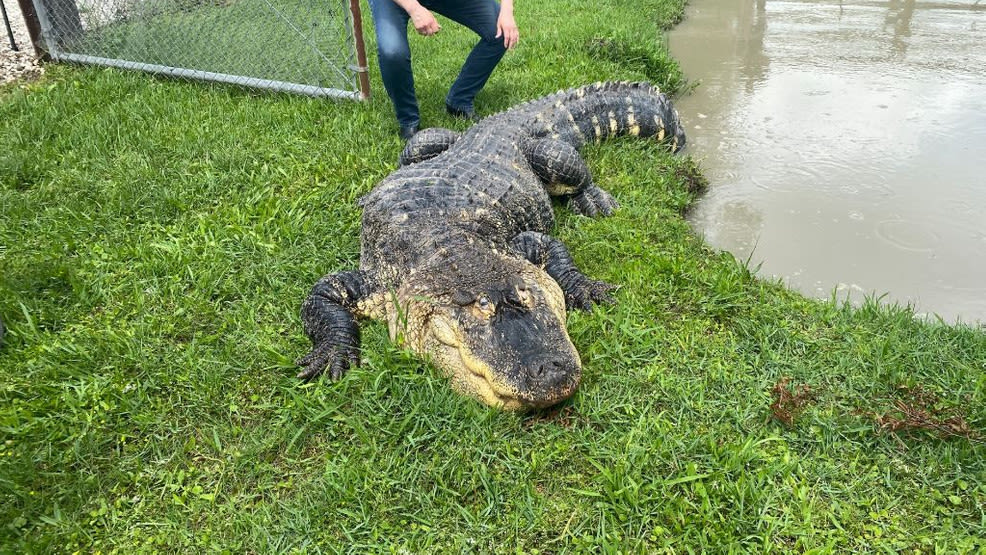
point(455, 251)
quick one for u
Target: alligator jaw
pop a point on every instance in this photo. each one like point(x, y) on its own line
point(485, 389)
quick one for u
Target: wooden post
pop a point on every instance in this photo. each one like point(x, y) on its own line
point(362, 70)
point(33, 28)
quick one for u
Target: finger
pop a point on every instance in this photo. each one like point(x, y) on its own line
point(427, 29)
point(512, 37)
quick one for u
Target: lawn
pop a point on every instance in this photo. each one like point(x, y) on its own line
point(157, 238)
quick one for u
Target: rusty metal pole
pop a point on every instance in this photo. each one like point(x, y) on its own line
point(33, 25)
point(362, 70)
point(10, 32)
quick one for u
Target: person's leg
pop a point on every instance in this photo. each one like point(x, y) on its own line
point(394, 56)
point(480, 16)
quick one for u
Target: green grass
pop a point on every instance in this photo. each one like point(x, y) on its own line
point(156, 241)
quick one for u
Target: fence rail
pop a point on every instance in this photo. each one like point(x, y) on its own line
point(312, 47)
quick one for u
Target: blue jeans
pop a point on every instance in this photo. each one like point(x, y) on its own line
point(394, 53)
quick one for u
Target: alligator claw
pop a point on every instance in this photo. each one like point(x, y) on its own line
point(327, 356)
point(591, 292)
point(593, 202)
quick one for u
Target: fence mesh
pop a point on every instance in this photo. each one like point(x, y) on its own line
point(305, 46)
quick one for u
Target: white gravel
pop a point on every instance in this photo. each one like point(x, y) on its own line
point(20, 64)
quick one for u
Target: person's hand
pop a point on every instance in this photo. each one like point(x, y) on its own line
point(424, 22)
point(506, 27)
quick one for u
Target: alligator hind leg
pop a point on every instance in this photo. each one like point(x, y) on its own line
point(564, 172)
point(329, 317)
point(581, 291)
point(427, 144)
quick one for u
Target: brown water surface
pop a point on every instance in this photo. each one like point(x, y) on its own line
point(845, 144)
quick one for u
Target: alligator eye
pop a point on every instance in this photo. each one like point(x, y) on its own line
point(484, 306)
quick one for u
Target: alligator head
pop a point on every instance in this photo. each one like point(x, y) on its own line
point(494, 323)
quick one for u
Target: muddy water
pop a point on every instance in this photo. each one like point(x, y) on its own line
point(845, 144)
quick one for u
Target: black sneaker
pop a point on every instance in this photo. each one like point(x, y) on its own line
point(464, 113)
point(407, 131)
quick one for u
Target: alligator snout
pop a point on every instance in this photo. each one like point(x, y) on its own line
point(550, 378)
point(550, 369)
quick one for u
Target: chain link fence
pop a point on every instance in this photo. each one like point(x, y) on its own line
point(312, 47)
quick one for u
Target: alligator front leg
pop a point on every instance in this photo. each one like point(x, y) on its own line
point(426, 144)
point(564, 172)
point(581, 292)
point(329, 317)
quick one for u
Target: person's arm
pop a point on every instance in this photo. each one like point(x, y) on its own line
point(423, 20)
point(505, 24)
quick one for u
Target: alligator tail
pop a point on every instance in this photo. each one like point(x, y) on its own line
point(602, 110)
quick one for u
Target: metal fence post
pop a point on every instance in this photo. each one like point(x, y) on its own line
point(6, 23)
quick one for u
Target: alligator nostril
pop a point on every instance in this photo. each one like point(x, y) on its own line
point(546, 369)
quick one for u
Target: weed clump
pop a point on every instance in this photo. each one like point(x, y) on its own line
point(690, 174)
point(789, 401)
point(917, 408)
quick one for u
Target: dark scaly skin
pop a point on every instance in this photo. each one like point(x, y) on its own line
point(455, 252)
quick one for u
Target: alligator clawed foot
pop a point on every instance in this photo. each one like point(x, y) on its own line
point(591, 292)
point(593, 202)
point(327, 356)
